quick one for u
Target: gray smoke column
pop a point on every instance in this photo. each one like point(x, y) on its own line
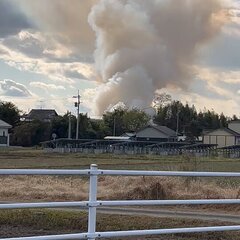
point(142, 46)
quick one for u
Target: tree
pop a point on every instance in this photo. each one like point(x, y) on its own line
point(9, 113)
point(114, 121)
point(189, 121)
point(59, 126)
point(28, 134)
point(125, 120)
point(134, 119)
point(161, 99)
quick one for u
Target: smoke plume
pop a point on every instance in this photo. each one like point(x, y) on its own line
point(140, 46)
point(143, 46)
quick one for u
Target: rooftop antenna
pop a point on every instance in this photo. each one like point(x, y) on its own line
point(41, 104)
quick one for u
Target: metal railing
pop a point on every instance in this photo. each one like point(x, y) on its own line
point(92, 204)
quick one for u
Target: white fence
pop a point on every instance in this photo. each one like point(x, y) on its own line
point(93, 203)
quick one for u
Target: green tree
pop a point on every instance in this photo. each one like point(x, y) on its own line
point(189, 121)
point(124, 120)
point(59, 126)
point(30, 133)
point(9, 113)
point(134, 119)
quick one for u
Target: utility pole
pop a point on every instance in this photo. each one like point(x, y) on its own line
point(177, 130)
point(69, 125)
point(114, 126)
point(77, 104)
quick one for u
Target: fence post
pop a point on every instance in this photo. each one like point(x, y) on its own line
point(92, 210)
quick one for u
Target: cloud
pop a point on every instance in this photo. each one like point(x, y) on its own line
point(12, 20)
point(211, 89)
point(67, 22)
point(46, 87)
point(131, 35)
point(230, 77)
point(74, 74)
point(35, 52)
point(11, 88)
point(228, 107)
point(35, 44)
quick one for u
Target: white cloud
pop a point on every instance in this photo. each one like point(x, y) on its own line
point(46, 86)
point(59, 58)
point(34, 52)
point(11, 88)
point(218, 75)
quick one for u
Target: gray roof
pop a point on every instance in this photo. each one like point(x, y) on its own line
point(4, 124)
point(165, 130)
point(128, 134)
point(232, 131)
point(41, 114)
point(169, 132)
point(227, 130)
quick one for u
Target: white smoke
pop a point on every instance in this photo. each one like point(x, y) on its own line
point(143, 45)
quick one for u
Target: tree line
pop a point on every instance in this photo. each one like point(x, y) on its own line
point(173, 114)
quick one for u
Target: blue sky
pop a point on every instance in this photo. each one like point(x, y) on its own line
point(47, 54)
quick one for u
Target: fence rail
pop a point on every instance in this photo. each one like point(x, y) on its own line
point(92, 204)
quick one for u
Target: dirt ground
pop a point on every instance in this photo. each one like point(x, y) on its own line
point(19, 223)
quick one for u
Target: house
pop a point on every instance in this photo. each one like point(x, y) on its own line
point(43, 115)
point(154, 132)
point(224, 137)
point(4, 135)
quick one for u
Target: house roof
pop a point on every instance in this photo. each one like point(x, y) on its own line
point(128, 134)
point(41, 114)
point(227, 130)
point(163, 129)
point(117, 138)
point(4, 124)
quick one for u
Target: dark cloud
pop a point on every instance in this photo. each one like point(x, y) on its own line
point(12, 20)
point(27, 43)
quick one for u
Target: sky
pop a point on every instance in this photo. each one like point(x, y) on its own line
point(119, 51)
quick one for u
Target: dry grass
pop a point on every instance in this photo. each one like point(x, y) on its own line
point(46, 188)
point(29, 188)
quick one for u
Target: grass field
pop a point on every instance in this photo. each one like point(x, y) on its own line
point(26, 188)
point(41, 188)
point(33, 158)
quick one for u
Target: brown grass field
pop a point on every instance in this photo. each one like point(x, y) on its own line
point(46, 188)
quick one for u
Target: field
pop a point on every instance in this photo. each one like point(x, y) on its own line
point(34, 158)
point(42, 188)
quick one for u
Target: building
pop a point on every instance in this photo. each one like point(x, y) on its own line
point(224, 137)
point(43, 115)
point(4, 135)
point(154, 132)
point(235, 126)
